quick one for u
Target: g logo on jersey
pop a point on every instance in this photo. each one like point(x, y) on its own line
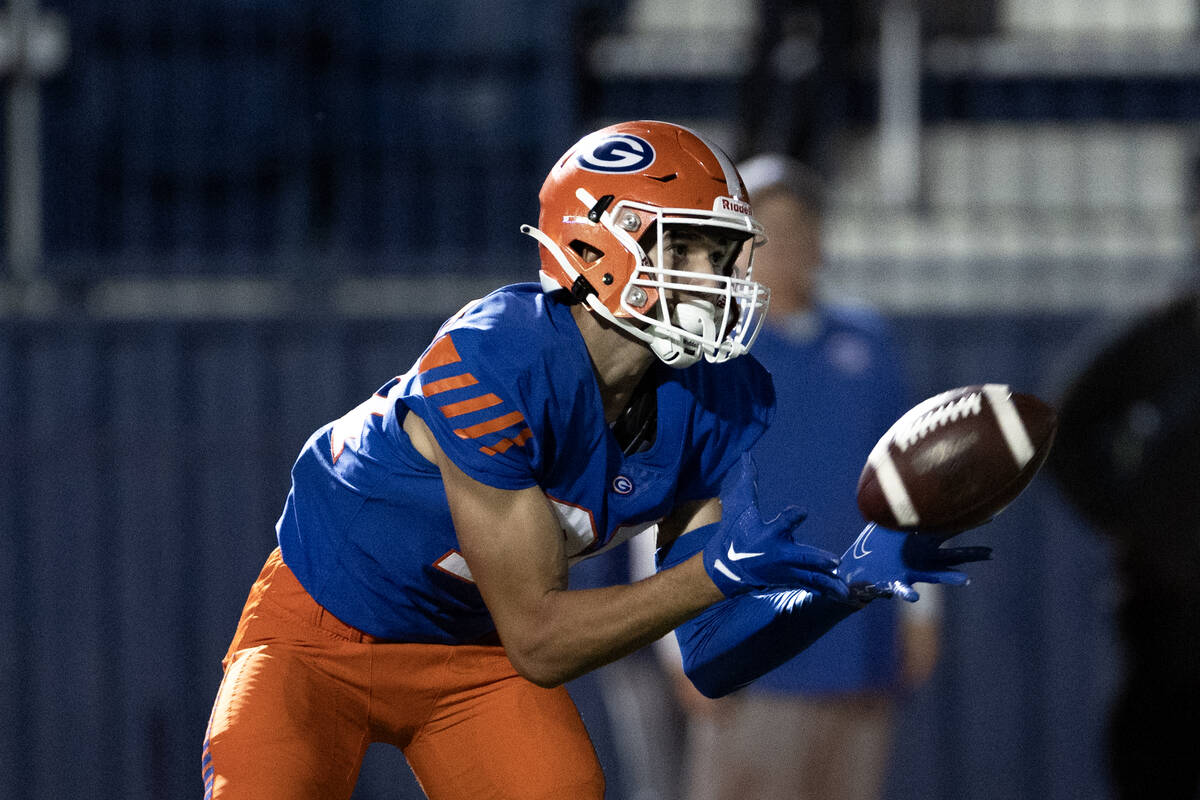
point(622, 485)
point(622, 152)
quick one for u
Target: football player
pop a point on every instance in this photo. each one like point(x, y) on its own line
point(419, 594)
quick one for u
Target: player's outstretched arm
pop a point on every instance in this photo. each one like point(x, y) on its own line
point(781, 595)
point(746, 636)
point(514, 546)
point(736, 641)
point(744, 553)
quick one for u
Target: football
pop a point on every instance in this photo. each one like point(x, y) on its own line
point(956, 460)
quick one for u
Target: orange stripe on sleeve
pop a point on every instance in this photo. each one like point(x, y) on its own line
point(446, 384)
point(491, 426)
point(504, 444)
point(467, 406)
point(441, 353)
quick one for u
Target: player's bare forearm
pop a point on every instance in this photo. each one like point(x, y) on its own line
point(514, 546)
point(618, 620)
point(576, 631)
point(553, 633)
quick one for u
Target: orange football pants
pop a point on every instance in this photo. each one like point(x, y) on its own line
point(304, 694)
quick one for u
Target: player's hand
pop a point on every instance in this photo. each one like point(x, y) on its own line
point(886, 563)
point(746, 554)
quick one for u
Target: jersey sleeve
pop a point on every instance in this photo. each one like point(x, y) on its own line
point(471, 394)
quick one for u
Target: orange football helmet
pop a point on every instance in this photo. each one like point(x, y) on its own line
point(613, 194)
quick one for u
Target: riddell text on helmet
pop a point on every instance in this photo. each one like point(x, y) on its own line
point(730, 204)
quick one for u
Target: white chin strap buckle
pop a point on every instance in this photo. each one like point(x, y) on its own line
point(697, 317)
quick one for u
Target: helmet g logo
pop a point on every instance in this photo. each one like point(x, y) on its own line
point(622, 152)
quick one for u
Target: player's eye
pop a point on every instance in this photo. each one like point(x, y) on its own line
point(677, 254)
point(724, 258)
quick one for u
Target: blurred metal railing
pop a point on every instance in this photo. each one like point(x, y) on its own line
point(294, 144)
point(1046, 165)
point(33, 47)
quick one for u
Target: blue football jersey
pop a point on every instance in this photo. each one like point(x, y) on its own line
point(507, 389)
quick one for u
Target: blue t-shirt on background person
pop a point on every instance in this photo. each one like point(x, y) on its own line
point(839, 387)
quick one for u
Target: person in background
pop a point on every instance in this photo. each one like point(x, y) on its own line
point(820, 725)
point(1126, 455)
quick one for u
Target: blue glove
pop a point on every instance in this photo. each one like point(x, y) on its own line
point(886, 563)
point(745, 554)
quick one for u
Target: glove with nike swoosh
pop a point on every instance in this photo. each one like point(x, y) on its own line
point(886, 563)
point(746, 554)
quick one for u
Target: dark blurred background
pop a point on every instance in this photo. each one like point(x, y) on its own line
point(228, 221)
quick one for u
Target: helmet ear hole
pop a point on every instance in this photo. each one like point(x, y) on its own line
point(586, 252)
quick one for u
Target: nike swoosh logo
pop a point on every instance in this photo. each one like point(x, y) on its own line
point(734, 555)
point(860, 544)
point(726, 571)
